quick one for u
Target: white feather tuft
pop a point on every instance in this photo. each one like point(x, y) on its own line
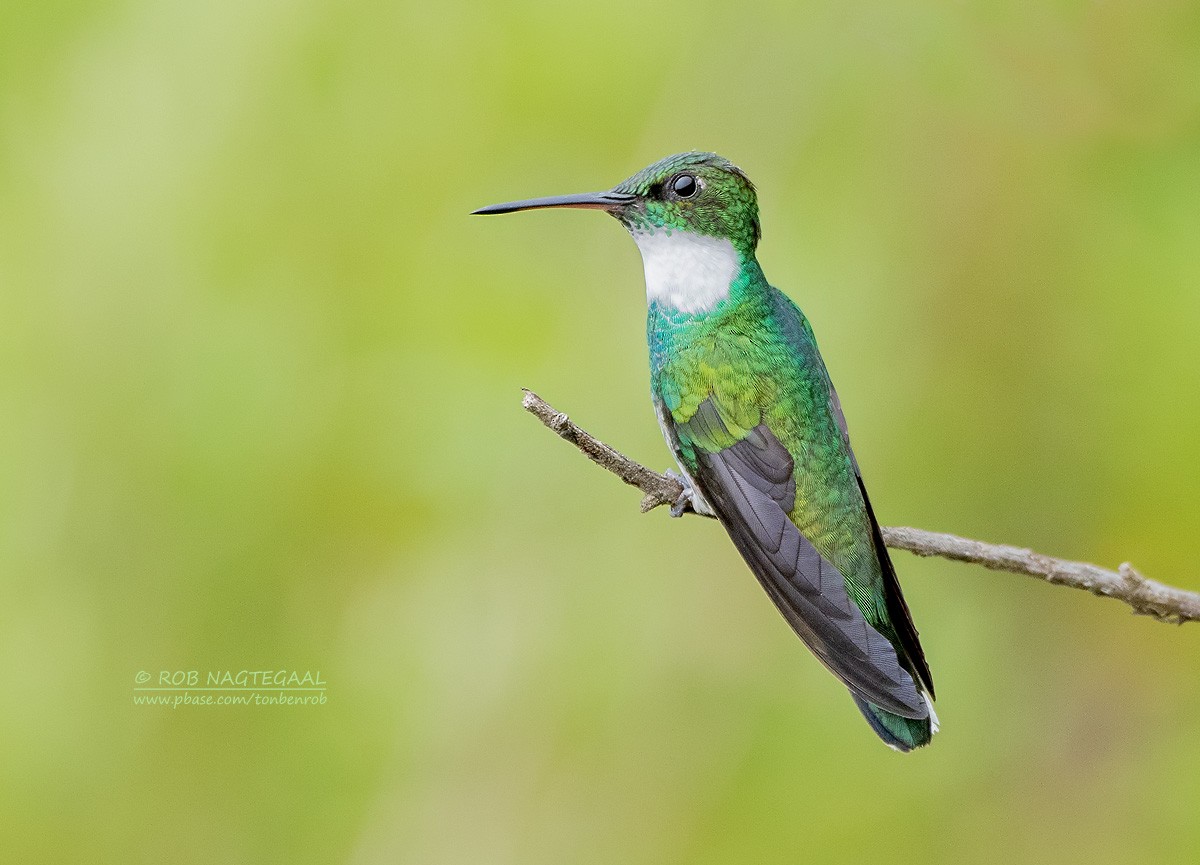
point(685, 271)
point(934, 724)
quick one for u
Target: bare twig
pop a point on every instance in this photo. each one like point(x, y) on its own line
point(1147, 597)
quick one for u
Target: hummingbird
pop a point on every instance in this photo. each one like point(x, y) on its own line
point(750, 414)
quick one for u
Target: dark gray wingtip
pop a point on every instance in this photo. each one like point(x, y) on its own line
point(750, 486)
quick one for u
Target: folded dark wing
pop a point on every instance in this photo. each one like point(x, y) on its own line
point(897, 607)
point(751, 487)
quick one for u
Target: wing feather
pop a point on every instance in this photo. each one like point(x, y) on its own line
point(751, 486)
point(897, 607)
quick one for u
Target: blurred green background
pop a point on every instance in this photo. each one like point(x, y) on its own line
point(259, 409)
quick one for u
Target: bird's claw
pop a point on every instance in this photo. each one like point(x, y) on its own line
point(687, 498)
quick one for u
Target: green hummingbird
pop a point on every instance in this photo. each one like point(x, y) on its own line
point(748, 410)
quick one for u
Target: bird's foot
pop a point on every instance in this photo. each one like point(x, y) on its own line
point(689, 498)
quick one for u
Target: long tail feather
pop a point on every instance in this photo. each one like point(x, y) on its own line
point(903, 734)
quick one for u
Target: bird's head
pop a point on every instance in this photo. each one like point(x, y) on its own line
point(697, 193)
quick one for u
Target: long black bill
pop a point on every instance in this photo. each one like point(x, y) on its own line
point(590, 200)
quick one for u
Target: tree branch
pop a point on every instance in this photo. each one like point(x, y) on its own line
point(1147, 597)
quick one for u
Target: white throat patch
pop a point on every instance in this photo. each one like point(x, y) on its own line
point(685, 271)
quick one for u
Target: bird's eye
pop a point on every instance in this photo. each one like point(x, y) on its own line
point(684, 186)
